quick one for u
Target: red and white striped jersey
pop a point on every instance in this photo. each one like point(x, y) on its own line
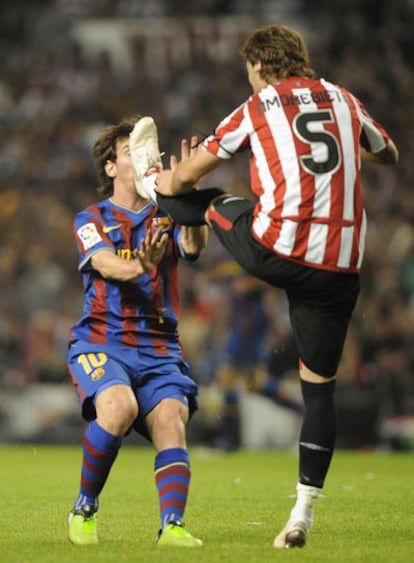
point(305, 137)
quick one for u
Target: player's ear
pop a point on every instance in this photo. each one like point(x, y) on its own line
point(110, 168)
point(257, 66)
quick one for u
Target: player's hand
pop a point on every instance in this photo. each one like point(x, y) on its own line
point(188, 149)
point(152, 249)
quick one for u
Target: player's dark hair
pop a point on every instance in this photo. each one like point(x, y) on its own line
point(281, 50)
point(105, 149)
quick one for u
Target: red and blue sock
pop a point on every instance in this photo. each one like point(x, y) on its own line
point(100, 449)
point(172, 478)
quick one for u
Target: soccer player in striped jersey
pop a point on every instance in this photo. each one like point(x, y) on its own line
point(125, 356)
point(305, 233)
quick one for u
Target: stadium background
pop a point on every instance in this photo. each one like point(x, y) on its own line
point(69, 68)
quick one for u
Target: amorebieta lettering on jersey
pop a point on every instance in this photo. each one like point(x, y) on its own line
point(304, 136)
point(142, 312)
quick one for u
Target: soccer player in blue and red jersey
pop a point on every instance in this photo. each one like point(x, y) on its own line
point(125, 357)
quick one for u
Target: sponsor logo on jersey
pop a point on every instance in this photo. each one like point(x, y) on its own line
point(127, 253)
point(109, 228)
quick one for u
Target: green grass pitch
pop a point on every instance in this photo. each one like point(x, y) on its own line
point(237, 504)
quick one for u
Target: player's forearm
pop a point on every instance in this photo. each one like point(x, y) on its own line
point(112, 267)
point(194, 239)
point(189, 172)
point(183, 179)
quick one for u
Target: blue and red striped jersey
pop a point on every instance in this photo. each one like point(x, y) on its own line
point(142, 312)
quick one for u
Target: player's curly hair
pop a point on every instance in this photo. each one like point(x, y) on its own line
point(281, 50)
point(105, 149)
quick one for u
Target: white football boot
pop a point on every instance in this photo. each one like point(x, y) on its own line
point(145, 156)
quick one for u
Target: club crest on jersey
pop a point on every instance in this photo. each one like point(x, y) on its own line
point(163, 222)
point(88, 235)
point(97, 374)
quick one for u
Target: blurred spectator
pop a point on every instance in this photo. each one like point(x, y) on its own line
point(67, 68)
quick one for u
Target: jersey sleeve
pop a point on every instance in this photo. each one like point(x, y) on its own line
point(90, 238)
point(374, 137)
point(231, 135)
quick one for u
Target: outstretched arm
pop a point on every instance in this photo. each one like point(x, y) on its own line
point(149, 255)
point(185, 175)
point(193, 239)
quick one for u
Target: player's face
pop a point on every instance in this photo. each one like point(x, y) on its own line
point(124, 169)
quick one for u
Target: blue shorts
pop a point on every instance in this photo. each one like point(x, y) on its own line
point(152, 377)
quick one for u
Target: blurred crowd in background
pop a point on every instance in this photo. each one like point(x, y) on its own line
point(67, 69)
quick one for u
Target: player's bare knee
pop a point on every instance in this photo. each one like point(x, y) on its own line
point(306, 374)
point(116, 409)
point(169, 415)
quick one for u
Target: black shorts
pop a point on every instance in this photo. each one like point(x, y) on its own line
point(321, 302)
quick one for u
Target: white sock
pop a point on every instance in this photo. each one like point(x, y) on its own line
point(306, 499)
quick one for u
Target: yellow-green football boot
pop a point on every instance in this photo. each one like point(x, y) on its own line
point(82, 525)
point(175, 535)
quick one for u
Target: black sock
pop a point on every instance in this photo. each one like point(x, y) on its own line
point(317, 439)
point(229, 429)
